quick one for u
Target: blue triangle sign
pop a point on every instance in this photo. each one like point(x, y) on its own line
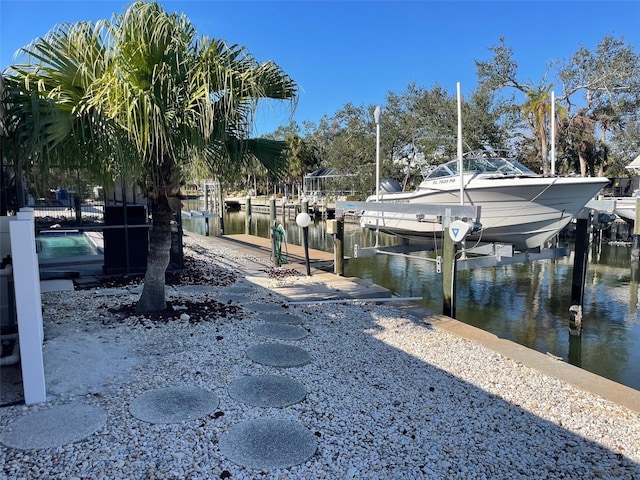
point(455, 232)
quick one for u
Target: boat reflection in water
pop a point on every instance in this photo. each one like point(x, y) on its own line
point(525, 303)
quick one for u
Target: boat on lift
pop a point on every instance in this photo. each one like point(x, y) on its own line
point(625, 207)
point(518, 206)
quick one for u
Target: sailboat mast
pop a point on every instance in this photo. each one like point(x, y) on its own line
point(553, 133)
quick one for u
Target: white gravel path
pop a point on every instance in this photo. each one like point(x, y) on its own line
point(388, 397)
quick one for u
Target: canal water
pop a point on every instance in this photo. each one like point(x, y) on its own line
point(525, 303)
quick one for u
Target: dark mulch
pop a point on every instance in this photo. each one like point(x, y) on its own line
point(195, 272)
point(202, 311)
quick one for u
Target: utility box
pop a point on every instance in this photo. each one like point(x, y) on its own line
point(125, 248)
point(332, 227)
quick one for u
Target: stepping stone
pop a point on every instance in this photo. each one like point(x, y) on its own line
point(268, 443)
point(105, 292)
point(263, 307)
point(195, 289)
point(267, 391)
point(230, 297)
point(281, 331)
point(173, 404)
point(137, 289)
point(281, 318)
point(53, 427)
point(240, 288)
point(278, 355)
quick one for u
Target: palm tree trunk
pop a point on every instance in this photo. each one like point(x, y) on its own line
point(544, 151)
point(152, 298)
point(583, 160)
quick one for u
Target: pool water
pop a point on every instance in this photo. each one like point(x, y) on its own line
point(64, 244)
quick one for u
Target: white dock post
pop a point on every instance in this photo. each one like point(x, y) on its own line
point(26, 278)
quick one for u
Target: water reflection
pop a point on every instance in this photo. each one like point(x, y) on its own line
point(525, 303)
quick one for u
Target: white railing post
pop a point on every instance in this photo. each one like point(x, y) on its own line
point(26, 280)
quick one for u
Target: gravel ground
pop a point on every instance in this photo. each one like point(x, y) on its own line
point(389, 396)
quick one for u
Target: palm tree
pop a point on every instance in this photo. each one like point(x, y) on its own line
point(143, 96)
point(537, 110)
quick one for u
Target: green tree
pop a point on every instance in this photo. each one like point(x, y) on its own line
point(502, 72)
point(142, 95)
point(602, 91)
point(301, 159)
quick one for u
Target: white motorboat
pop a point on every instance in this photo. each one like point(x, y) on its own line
point(626, 206)
point(518, 206)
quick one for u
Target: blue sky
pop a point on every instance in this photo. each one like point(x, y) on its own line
point(357, 51)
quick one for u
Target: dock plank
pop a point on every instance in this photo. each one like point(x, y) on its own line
point(295, 253)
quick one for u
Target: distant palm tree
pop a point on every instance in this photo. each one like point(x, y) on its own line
point(142, 96)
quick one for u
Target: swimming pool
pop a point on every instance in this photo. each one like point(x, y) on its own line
point(65, 243)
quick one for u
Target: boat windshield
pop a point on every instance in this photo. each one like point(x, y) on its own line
point(495, 165)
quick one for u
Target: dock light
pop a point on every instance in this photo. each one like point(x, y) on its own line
point(304, 220)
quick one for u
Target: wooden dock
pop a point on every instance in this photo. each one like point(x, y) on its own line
point(294, 253)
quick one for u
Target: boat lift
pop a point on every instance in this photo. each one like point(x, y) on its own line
point(458, 221)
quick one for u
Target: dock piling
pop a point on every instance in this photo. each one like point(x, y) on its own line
point(247, 216)
point(339, 247)
point(448, 275)
point(579, 274)
point(635, 238)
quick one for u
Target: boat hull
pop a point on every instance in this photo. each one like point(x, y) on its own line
point(523, 211)
point(626, 208)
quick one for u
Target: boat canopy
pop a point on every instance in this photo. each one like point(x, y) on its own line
point(491, 165)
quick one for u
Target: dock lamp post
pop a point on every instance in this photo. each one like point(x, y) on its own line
point(376, 118)
point(303, 220)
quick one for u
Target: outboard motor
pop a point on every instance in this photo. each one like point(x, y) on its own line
point(390, 185)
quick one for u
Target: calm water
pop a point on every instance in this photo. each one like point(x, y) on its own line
point(526, 303)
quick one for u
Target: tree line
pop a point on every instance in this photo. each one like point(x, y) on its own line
point(597, 122)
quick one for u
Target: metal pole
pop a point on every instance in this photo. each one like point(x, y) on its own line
point(305, 237)
point(553, 133)
point(376, 117)
point(460, 166)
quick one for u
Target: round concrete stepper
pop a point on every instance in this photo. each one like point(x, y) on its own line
point(278, 355)
point(173, 404)
point(268, 443)
point(230, 298)
point(53, 427)
point(263, 307)
point(281, 318)
point(240, 289)
point(267, 391)
point(281, 331)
